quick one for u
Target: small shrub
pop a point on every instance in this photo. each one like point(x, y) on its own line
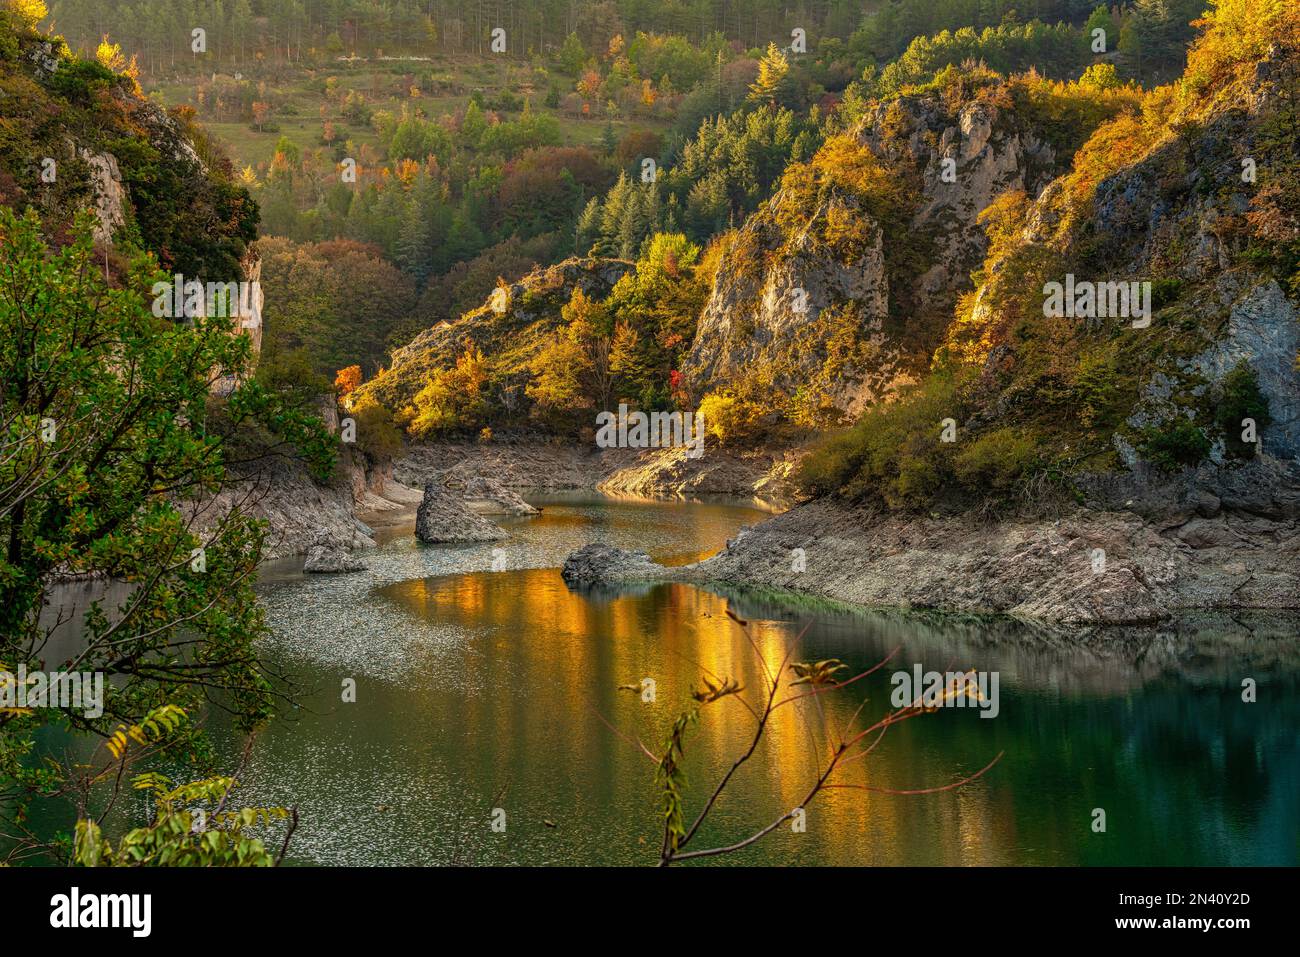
point(378, 438)
point(1165, 291)
point(997, 461)
point(730, 419)
point(1172, 447)
point(1241, 399)
point(893, 454)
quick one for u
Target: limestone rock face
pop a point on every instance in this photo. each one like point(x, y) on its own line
point(1178, 216)
point(851, 320)
point(300, 513)
point(445, 517)
point(1158, 218)
point(982, 152)
point(759, 318)
point(1088, 568)
point(110, 197)
point(1264, 332)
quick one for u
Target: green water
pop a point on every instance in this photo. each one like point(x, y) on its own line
point(481, 689)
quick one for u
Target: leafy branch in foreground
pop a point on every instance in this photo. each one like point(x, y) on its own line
point(852, 742)
point(111, 447)
point(180, 834)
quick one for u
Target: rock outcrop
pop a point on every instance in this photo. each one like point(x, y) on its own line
point(487, 496)
point(326, 558)
point(299, 512)
point(511, 326)
point(799, 298)
point(1088, 568)
point(109, 196)
point(445, 517)
point(601, 564)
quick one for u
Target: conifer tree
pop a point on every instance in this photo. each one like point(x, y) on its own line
point(773, 70)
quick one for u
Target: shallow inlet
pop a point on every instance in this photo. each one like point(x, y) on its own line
point(479, 689)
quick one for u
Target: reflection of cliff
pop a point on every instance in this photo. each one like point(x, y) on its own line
point(514, 677)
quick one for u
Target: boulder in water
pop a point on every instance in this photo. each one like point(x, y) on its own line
point(324, 559)
point(601, 564)
point(444, 517)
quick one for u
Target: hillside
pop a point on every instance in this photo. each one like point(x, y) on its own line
point(76, 133)
point(1097, 468)
point(77, 136)
point(901, 273)
point(1158, 197)
point(510, 329)
point(838, 288)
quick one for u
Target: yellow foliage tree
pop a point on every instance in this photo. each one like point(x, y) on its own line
point(772, 72)
point(27, 12)
point(453, 398)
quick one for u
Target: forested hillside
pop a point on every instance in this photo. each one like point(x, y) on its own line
point(399, 126)
point(773, 217)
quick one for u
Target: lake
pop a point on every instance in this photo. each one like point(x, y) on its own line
point(479, 690)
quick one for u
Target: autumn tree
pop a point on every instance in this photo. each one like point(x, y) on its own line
point(772, 85)
point(347, 380)
point(28, 13)
point(573, 372)
point(454, 399)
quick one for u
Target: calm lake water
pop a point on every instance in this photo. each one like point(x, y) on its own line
point(479, 689)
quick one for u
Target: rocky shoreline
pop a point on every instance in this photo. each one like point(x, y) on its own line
point(1087, 566)
point(541, 465)
point(1140, 547)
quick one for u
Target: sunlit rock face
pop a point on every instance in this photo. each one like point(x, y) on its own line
point(1179, 211)
point(965, 161)
point(517, 319)
point(855, 320)
point(767, 318)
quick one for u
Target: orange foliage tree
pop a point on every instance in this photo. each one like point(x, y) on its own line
point(347, 380)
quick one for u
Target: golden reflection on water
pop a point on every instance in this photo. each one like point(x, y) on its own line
point(544, 665)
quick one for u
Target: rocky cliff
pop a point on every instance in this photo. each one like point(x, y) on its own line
point(1176, 429)
point(839, 288)
point(1198, 202)
point(509, 328)
point(79, 136)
